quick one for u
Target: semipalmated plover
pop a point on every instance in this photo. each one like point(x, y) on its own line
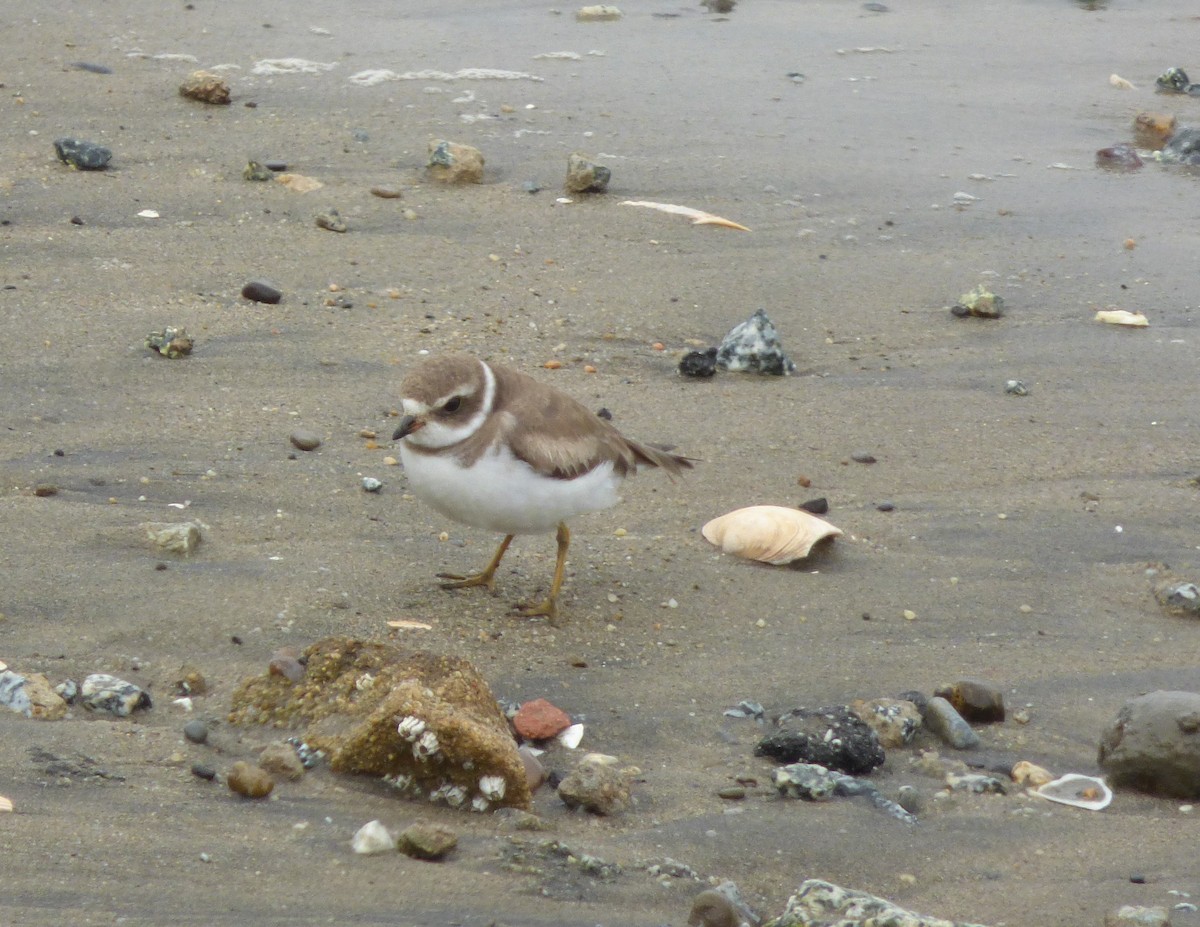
point(494, 448)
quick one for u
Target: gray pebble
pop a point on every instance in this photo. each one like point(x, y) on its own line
point(863, 457)
point(260, 291)
point(82, 155)
point(910, 799)
point(305, 440)
point(196, 731)
point(370, 484)
point(949, 725)
point(886, 506)
point(203, 771)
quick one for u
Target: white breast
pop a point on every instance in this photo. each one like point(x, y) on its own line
point(503, 494)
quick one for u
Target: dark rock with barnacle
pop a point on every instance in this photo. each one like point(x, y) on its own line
point(450, 162)
point(1173, 80)
point(835, 738)
point(102, 692)
point(699, 364)
point(585, 176)
point(425, 722)
point(82, 155)
point(1183, 147)
point(170, 342)
point(754, 346)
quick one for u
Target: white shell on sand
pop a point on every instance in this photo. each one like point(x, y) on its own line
point(571, 737)
point(5, 804)
point(1080, 791)
point(1122, 317)
point(770, 533)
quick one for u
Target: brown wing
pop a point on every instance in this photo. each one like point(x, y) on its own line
point(561, 437)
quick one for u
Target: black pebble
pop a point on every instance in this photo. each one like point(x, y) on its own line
point(200, 771)
point(196, 731)
point(604, 414)
point(816, 506)
point(93, 68)
point(75, 220)
point(275, 165)
point(60, 453)
point(235, 639)
point(886, 506)
point(1137, 878)
point(699, 364)
point(260, 291)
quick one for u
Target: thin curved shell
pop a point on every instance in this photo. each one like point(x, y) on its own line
point(769, 533)
point(1077, 790)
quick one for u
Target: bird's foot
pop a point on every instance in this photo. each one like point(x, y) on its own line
point(457, 581)
point(548, 607)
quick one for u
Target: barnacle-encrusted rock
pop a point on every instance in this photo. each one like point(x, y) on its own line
point(894, 721)
point(426, 721)
point(450, 162)
point(832, 737)
point(585, 176)
point(818, 903)
point(206, 87)
point(170, 342)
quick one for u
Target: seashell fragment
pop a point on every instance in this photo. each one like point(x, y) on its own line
point(5, 804)
point(373, 837)
point(770, 533)
point(571, 737)
point(1080, 791)
point(1122, 317)
point(698, 216)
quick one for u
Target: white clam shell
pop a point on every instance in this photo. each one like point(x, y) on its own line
point(1077, 790)
point(770, 533)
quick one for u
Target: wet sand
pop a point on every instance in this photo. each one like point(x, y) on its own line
point(848, 181)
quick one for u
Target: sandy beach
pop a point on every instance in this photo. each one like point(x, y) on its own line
point(886, 163)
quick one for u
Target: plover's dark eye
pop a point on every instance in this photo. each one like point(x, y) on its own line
point(452, 405)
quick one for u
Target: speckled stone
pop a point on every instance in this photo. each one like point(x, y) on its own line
point(280, 759)
point(817, 902)
point(597, 787)
point(450, 162)
point(426, 841)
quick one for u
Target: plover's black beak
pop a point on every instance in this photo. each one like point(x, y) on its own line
point(408, 425)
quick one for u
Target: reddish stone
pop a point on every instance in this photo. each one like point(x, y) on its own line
point(539, 720)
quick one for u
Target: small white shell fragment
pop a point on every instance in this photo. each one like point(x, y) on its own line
point(1077, 790)
point(1122, 317)
point(1116, 80)
point(572, 737)
point(596, 14)
point(148, 214)
point(183, 702)
point(769, 533)
point(407, 624)
point(373, 837)
point(5, 804)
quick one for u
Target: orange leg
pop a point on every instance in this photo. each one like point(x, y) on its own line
point(486, 578)
point(549, 605)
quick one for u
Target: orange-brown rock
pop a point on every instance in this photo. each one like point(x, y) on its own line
point(540, 720)
point(1151, 130)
